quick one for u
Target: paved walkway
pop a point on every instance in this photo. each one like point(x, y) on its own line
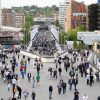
point(42, 90)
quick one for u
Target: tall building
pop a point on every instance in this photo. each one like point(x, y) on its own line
point(6, 17)
point(98, 1)
point(94, 17)
point(62, 12)
point(75, 15)
point(19, 20)
point(12, 18)
point(0, 17)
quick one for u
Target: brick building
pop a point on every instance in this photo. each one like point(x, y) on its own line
point(6, 17)
point(75, 15)
point(12, 18)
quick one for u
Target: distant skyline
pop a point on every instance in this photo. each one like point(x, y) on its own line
point(40, 3)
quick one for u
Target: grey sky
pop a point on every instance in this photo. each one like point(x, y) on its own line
point(41, 3)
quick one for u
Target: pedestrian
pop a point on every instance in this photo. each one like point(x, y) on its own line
point(98, 98)
point(64, 85)
point(38, 78)
point(59, 70)
point(85, 97)
point(70, 82)
point(33, 95)
point(8, 86)
point(59, 88)
point(50, 91)
point(20, 92)
point(29, 76)
point(87, 79)
point(76, 95)
point(72, 73)
point(25, 93)
point(75, 82)
point(33, 82)
point(55, 74)
point(91, 79)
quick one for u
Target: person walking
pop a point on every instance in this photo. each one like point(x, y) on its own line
point(38, 78)
point(76, 95)
point(25, 93)
point(50, 91)
point(59, 88)
point(33, 95)
point(29, 76)
point(59, 70)
point(20, 92)
point(70, 82)
point(85, 97)
point(33, 82)
point(75, 82)
point(64, 85)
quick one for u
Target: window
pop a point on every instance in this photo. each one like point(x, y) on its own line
point(98, 46)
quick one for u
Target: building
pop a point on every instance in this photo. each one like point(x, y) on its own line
point(0, 17)
point(6, 17)
point(96, 47)
point(12, 18)
point(19, 20)
point(88, 37)
point(75, 15)
point(62, 12)
point(94, 17)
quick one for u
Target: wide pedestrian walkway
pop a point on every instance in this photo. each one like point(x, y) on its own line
point(42, 90)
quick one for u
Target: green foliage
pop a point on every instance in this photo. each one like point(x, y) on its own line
point(26, 38)
point(76, 46)
point(57, 24)
point(72, 34)
point(29, 19)
point(62, 37)
point(36, 11)
point(27, 26)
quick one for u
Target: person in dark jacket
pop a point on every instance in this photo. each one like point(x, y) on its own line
point(33, 95)
point(70, 82)
point(64, 87)
point(20, 92)
point(59, 70)
point(75, 82)
point(50, 91)
point(76, 95)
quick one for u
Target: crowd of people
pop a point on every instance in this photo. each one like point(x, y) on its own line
point(75, 65)
point(44, 42)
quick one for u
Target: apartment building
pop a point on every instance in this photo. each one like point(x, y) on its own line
point(94, 17)
point(6, 17)
point(19, 20)
point(12, 18)
point(75, 15)
point(62, 12)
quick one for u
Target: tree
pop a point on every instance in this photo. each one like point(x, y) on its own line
point(27, 26)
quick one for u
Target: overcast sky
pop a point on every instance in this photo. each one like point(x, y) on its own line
point(41, 3)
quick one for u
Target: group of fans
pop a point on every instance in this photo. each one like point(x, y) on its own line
point(44, 42)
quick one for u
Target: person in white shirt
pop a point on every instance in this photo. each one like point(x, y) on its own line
point(85, 97)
